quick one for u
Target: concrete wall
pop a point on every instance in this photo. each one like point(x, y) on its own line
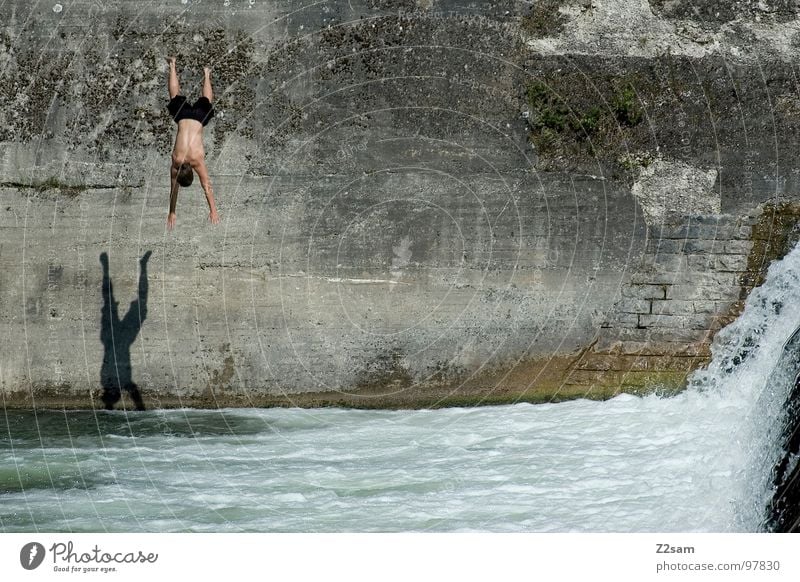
point(423, 203)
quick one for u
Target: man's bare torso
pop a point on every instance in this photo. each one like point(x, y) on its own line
point(188, 143)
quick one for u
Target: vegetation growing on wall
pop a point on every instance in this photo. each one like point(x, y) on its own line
point(53, 183)
point(626, 106)
point(558, 127)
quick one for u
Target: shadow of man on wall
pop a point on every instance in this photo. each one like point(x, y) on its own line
point(117, 336)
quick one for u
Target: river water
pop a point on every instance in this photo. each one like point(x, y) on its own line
point(699, 461)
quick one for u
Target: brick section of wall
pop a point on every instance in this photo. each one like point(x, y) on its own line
point(687, 287)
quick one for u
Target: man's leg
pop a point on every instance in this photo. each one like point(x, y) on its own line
point(207, 92)
point(174, 85)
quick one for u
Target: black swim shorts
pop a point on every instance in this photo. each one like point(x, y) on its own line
point(201, 110)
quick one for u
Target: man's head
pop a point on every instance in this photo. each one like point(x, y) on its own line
point(185, 175)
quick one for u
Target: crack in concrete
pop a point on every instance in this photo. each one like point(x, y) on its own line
point(44, 187)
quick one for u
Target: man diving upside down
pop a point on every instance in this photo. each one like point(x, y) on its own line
point(188, 155)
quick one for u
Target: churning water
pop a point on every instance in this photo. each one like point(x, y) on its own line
point(700, 461)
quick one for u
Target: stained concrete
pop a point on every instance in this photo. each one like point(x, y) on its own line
point(423, 203)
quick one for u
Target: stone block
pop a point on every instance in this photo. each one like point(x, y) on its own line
point(702, 246)
point(623, 320)
point(738, 247)
point(697, 321)
point(644, 291)
point(633, 305)
point(670, 262)
point(732, 263)
point(702, 262)
point(663, 363)
point(672, 307)
point(585, 378)
point(721, 229)
point(707, 307)
point(693, 278)
point(598, 362)
point(661, 336)
point(705, 292)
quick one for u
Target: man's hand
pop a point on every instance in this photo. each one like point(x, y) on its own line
point(171, 218)
point(213, 217)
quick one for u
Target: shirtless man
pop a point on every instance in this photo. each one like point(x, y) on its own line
point(188, 154)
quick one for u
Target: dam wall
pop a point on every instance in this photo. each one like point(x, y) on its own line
point(423, 203)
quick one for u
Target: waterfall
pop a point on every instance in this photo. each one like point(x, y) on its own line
point(754, 366)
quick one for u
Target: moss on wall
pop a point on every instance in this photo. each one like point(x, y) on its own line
point(775, 233)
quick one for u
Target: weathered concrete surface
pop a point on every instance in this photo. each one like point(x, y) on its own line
point(423, 203)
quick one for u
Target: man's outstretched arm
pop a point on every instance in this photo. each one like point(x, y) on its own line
point(173, 85)
point(205, 182)
point(173, 197)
